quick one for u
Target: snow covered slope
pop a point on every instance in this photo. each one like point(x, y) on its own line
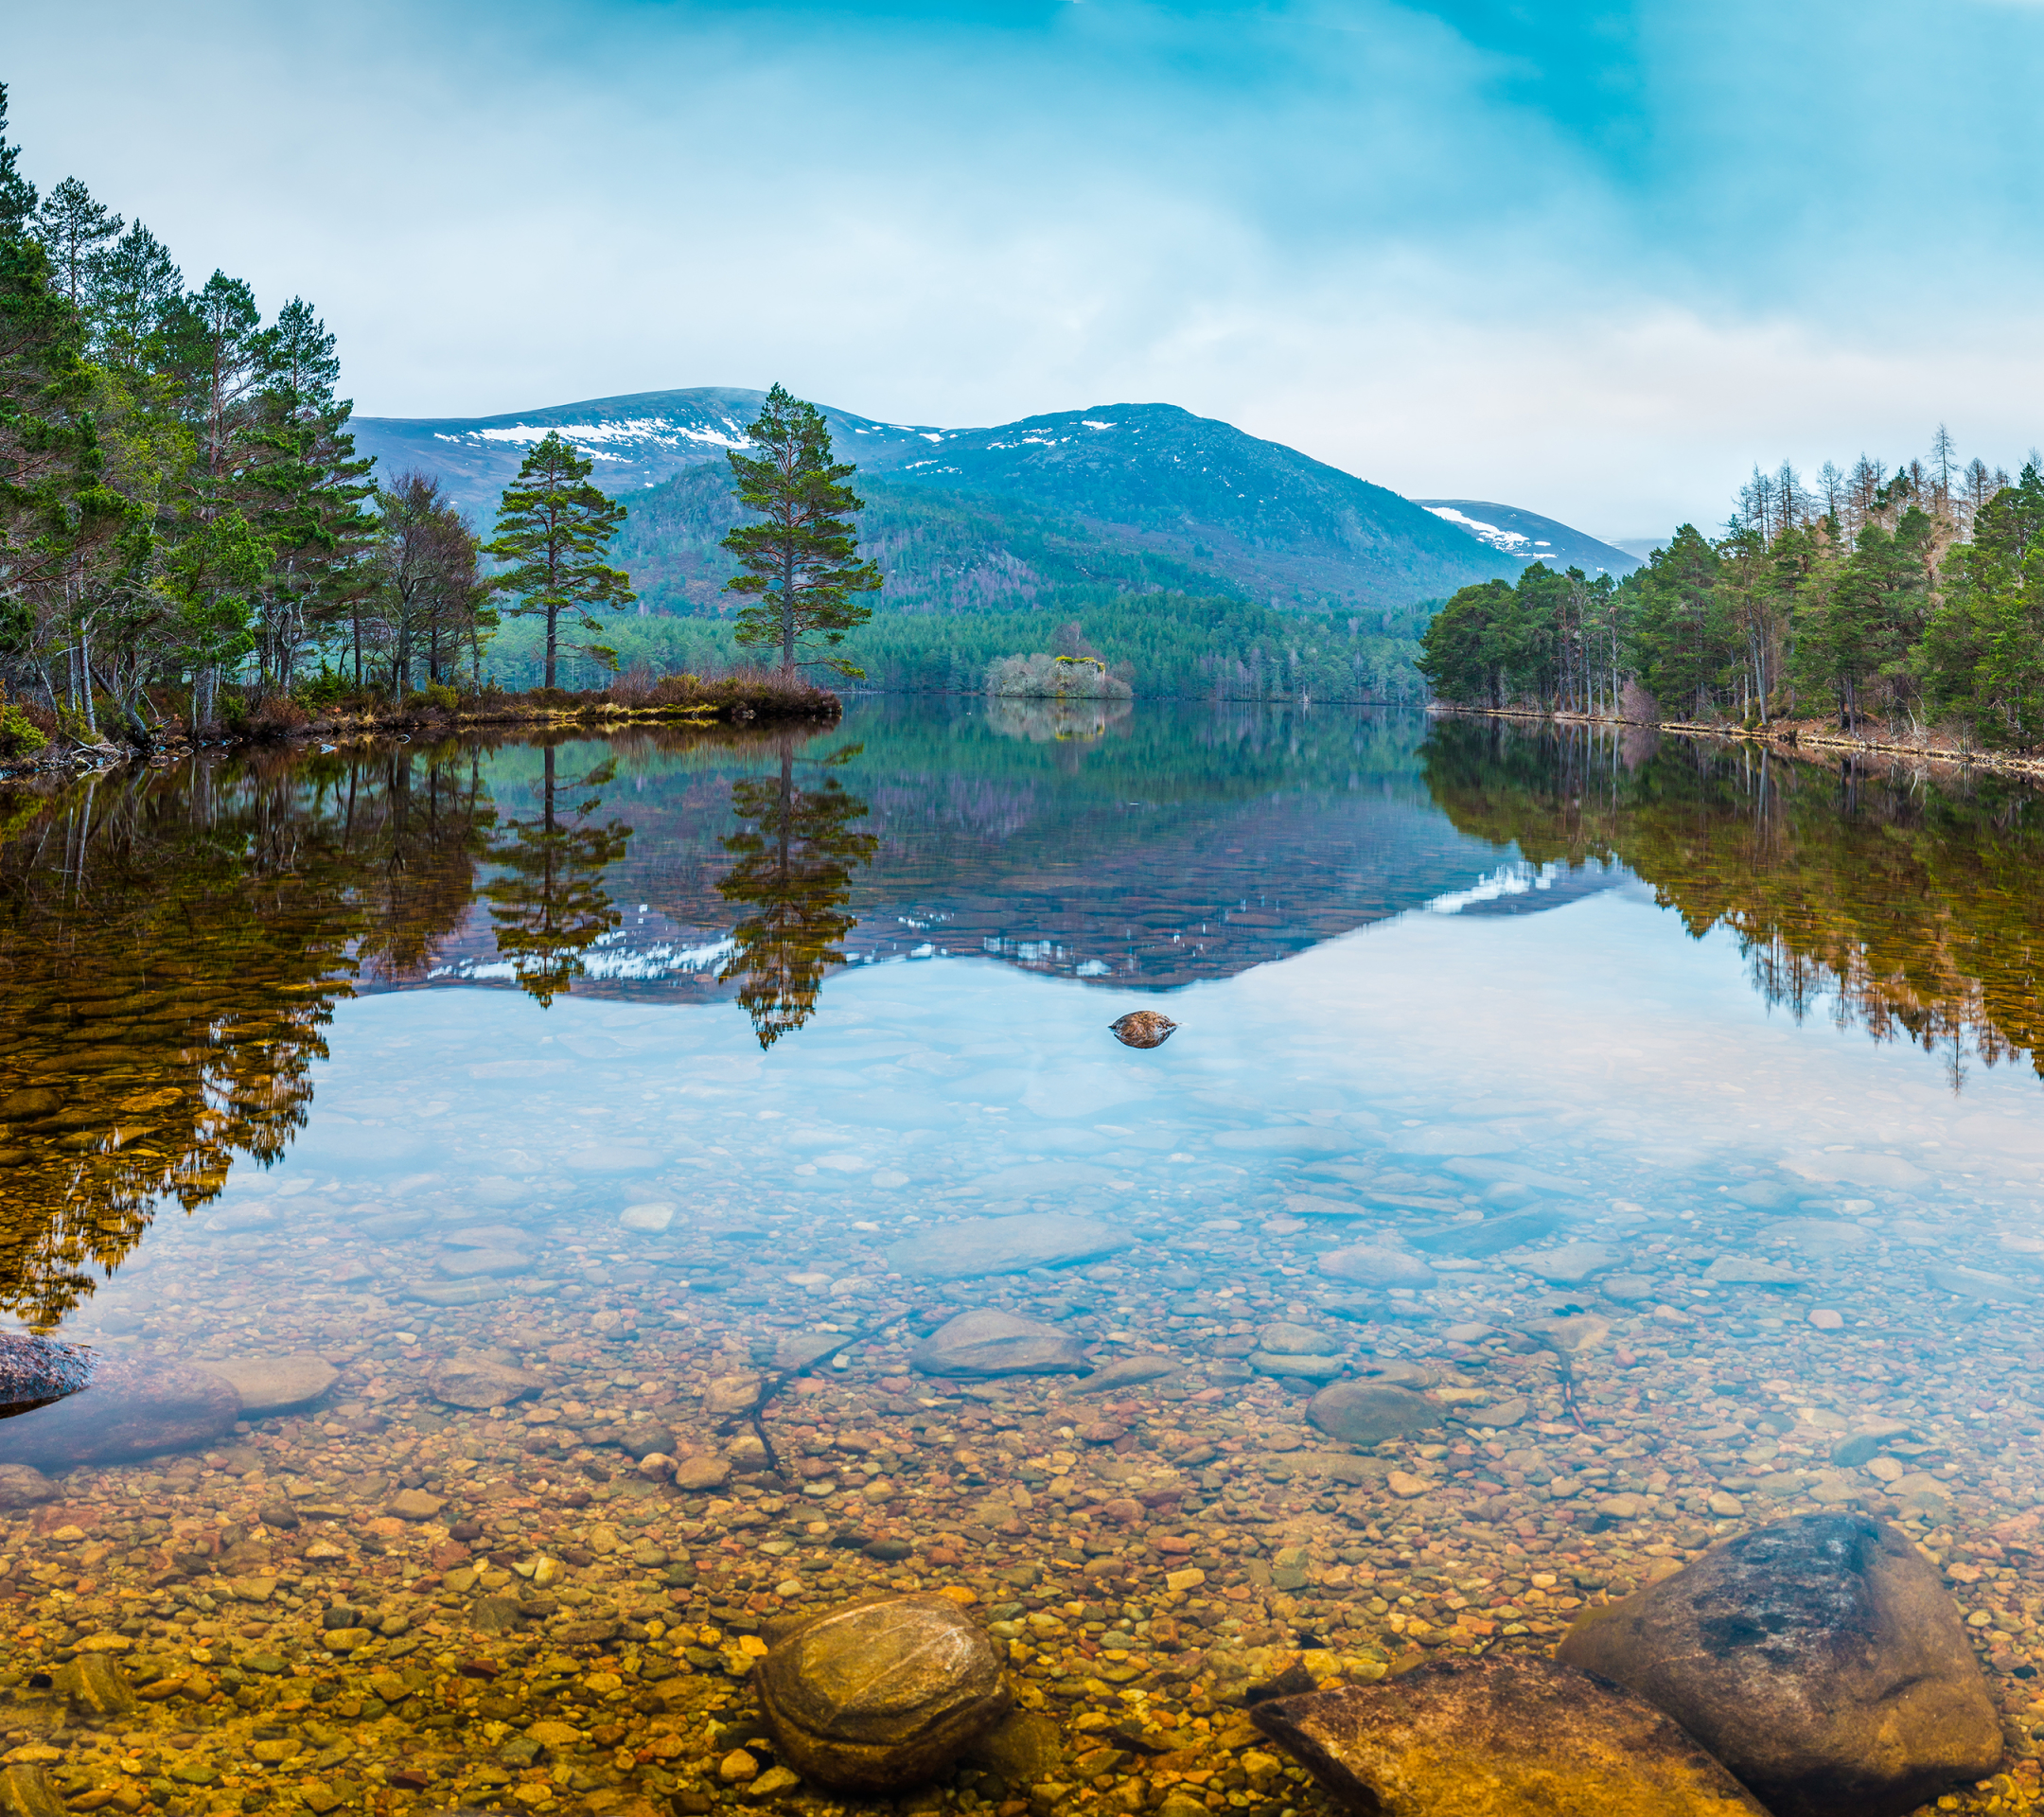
point(1527, 537)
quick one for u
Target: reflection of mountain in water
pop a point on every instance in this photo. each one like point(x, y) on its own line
point(1906, 906)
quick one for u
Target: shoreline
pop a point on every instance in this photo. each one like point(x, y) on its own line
point(1790, 737)
point(744, 705)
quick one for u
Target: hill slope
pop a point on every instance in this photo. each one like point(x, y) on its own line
point(1527, 537)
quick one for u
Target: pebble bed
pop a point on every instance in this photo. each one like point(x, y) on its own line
point(388, 1600)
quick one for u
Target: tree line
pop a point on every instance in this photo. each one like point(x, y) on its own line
point(1906, 602)
point(183, 510)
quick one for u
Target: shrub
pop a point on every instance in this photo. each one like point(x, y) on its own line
point(433, 696)
point(1056, 677)
point(20, 736)
point(277, 715)
point(329, 687)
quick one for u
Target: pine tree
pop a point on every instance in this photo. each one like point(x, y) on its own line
point(17, 194)
point(553, 528)
point(136, 284)
point(73, 229)
point(802, 564)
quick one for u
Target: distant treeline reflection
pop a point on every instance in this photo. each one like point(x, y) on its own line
point(172, 944)
point(1904, 906)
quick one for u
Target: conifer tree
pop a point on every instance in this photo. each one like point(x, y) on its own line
point(802, 564)
point(73, 229)
point(553, 528)
point(17, 194)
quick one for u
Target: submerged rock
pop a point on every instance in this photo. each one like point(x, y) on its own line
point(1499, 1737)
point(469, 1381)
point(1128, 1371)
point(1304, 1367)
point(1819, 1658)
point(270, 1383)
point(1368, 1413)
point(23, 1487)
point(1486, 1236)
point(133, 1407)
point(1371, 1265)
point(881, 1695)
point(1004, 1246)
point(1142, 1029)
point(988, 1343)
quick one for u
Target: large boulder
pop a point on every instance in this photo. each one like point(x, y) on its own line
point(23, 1487)
point(272, 1384)
point(1371, 1264)
point(465, 1380)
point(988, 1343)
point(1497, 1737)
point(1368, 1413)
point(977, 1246)
point(1819, 1658)
point(34, 1371)
point(131, 1407)
point(879, 1696)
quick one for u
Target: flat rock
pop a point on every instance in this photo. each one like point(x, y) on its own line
point(1626, 1289)
point(1371, 1265)
point(732, 1394)
point(1568, 1264)
point(1750, 1271)
point(1819, 1658)
point(416, 1504)
point(1126, 1372)
point(1368, 1413)
point(133, 1407)
point(804, 1348)
point(468, 1381)
point(23, 1487)
point(989, 1343)
point(701, 1472)
point(471, 1265)
point(1004, 1246)
point(1822, 1237)
point(456, 1292)
point(1304, 1369)
point(270, 1383)
point(1299, 1340)
point(26, 1792)
point(1487, 1236)
point(1316, 1205)
point(484, 1236)
point(1501, 1736)
point(880, 1696)
point(1977, 1283)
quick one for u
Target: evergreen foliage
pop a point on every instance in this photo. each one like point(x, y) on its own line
point(802, 565)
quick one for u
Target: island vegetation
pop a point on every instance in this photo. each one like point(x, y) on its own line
point(1903, 608)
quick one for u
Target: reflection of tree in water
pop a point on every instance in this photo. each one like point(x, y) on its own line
point(171, 946)
point(796, 862)
point(552, 908)
point(1045, 721)
point(1910, 908)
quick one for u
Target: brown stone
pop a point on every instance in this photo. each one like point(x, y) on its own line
point(879, 1696)
point(991, 1343)
point(1142, 1029)
point(465, 1381)
point(1500, 1736)
point(1819, 1658)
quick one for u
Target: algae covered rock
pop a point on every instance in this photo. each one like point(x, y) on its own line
point(878, 1696)
point(1500, 1736)
point(1819, 1658)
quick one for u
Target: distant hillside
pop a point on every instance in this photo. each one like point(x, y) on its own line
point(1527, 536)
point(1130, 496)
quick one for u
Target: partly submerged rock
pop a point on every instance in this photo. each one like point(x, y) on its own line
point(35, 1370)
point(1500, 1736)
point(270, 1383)
point(1819, 1658)
point(133, 1407)
point(987, 1343)
point(1368, 1413)
point(978, 1246)
point(465, 1380)
point(1371, 1265)
point(1142, 1029)
point(879, 1696)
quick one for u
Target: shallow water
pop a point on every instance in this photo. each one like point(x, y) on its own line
point(623, 1066)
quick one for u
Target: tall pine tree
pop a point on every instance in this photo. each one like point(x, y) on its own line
point(553, 529)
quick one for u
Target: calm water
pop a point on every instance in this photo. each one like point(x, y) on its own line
point(1702, 1088)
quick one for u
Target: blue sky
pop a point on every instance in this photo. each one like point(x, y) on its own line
point(1591, 261)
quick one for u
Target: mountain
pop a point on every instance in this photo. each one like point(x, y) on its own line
point(636, 441)
point(1137, 497)
point(1527, 536)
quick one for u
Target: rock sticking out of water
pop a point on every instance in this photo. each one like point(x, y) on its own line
point(35, 1369)
point(1819, 1658)
point(1496, 1737)
point(272, 1384)
point(978, 1246)
point(989, 1343)
point(1368, 1413)
point(1142, 1029)
point(133, 1406)
point(883, 1695)
point(1371, 1265)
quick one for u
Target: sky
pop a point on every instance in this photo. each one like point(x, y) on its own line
point(1591, 261)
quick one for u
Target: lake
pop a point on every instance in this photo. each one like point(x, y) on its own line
point(517, 1198)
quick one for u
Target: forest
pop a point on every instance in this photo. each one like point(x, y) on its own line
point(1900, 604)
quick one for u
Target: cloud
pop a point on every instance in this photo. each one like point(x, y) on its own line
point(1595, 260)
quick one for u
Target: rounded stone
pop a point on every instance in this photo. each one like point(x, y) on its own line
point(1142, 1029)
point(879, 1696)
point(1371, 1265)
point(133, 1407)
point(481, 1381)
point(270, 1383)
point(988, 1341)
point(1368, 1413)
